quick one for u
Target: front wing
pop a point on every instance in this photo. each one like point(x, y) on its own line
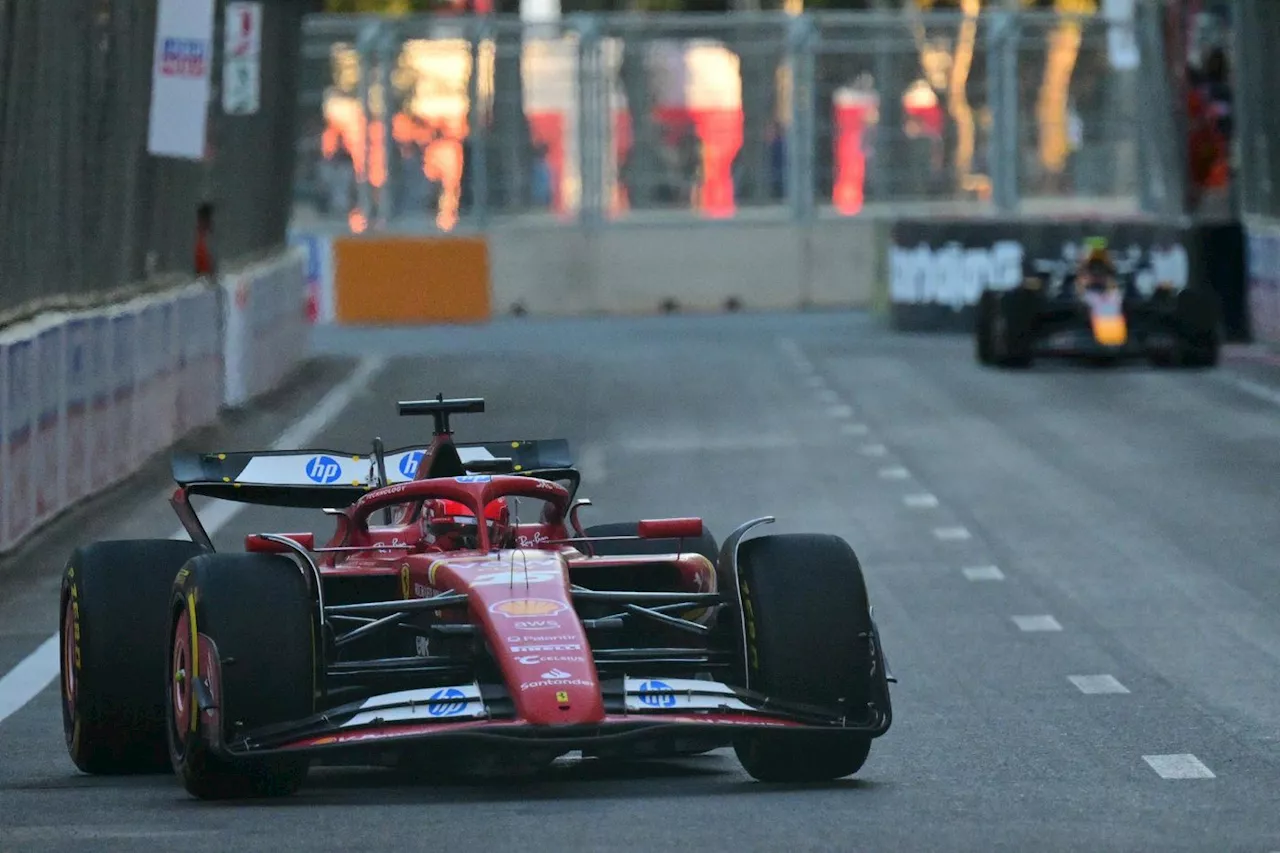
point(636, 709)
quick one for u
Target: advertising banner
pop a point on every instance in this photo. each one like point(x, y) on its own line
point(241, 59)
point(79, 407)
point(124, 358)
point(20, 408)
point(1264, 282)
point(4, 444)
point(319, 259)
point(101, 388)
point(939, 268)
point(182, 64)
point(51, 436)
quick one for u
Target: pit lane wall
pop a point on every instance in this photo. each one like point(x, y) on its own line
point(562, 270)
point(88, 397)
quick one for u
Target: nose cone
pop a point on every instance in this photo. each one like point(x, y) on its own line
point(534, 634)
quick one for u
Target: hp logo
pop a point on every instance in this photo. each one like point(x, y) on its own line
point(657, 694)
point(323, 470)
point(447, 702)
point(409, 463)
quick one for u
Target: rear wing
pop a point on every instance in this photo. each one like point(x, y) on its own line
point(320, 479)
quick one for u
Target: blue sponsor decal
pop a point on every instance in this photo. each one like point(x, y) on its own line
point(409, 464)
point(183, 57)
point(474, 478)
point(657, 694)
point(323, 470)
point(447, 702)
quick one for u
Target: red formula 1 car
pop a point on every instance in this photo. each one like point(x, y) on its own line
point(471, 626)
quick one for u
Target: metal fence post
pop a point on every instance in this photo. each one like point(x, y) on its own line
point(802, 38)
point(592, 90)
point(1002, 86)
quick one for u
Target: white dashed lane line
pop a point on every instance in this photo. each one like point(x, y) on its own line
point(923, 501)
point(1096, 684)
point(854, 429)
point(983, 573)
point(951, 534)
point(815, 381)
point(840, 411)
point(896, 472)
point(873, 450)
point(1036, 623)
point(826, 395)
point(1178, 766)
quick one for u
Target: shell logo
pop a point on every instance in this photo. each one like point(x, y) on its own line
point(519, 607)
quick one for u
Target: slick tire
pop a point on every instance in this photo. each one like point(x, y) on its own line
point(112, 605)
point(242, 639)
point(984, 316)
point(1012, 327)
point(1199, 317)
point(809, 630)
point(705, 545)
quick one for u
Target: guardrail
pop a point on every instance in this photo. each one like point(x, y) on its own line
point(87, 397)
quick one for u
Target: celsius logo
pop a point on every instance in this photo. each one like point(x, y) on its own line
point(409, 463)
point(323, 470)
point(448, 702)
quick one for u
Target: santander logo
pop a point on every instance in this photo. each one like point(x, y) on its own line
point(556, 674)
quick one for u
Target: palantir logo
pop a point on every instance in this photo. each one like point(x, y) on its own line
point(323, 470)
point(657, 694)
point(447, 702)
point(409, 463)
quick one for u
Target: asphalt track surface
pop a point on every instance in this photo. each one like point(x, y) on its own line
point(1074, 569)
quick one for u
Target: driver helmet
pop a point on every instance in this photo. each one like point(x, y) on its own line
point(451, 525)
point(1097, 259)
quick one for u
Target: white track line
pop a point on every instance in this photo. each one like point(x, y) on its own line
point(1095, 684)
point(1179, 766)
point(951, 534)
point(826, 395)
point(983, 573)
point(854, 429)
point(873, 450)
point(815, 381)
point(1037, 623)
point(1253, 389)
point(840, 411)
point(920, 501)
point(896, 472)
point(25, 681)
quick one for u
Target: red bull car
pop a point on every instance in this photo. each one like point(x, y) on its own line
point(1099, 315)
point(459, 614)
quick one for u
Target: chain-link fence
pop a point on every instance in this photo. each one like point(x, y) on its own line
point(435, 122)
point(84, 210)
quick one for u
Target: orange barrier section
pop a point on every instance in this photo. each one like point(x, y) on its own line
point(411, 280)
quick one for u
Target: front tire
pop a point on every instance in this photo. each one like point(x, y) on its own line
point(811, 640)
point(241, 638)
point(113, 615)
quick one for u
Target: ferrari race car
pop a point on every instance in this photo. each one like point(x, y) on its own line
point(1097, 314)
point(464, 631)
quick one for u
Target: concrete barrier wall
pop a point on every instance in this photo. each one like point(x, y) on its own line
point(558, 270)
point(86, 398)
point(1263, 257)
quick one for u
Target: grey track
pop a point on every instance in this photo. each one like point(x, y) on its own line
point(1137, 508)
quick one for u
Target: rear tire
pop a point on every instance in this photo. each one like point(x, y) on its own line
point(705, 544)
point(252, 648)
point(1013, 324)
point(113, 618)
point(809, 632)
